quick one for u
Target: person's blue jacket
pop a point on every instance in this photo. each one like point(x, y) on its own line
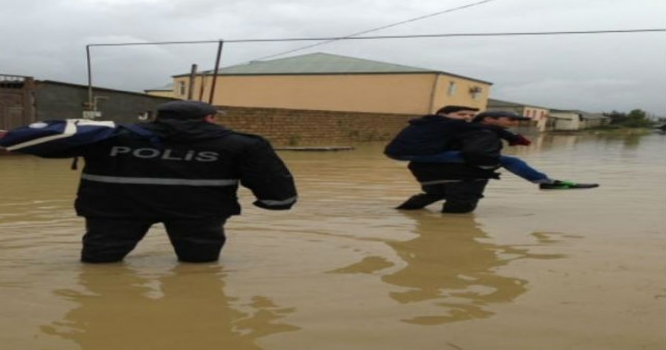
point(479, 145)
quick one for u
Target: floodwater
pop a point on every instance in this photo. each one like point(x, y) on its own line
point(529, 269)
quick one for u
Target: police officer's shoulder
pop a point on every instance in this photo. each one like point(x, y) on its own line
point(249, 138)
point(247, 135)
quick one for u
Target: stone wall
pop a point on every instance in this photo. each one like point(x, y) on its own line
point(289, 127)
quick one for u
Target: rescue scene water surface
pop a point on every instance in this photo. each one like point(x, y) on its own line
point(343, 269)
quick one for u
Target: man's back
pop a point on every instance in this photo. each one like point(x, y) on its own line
point(430, 134)
point(186, 169)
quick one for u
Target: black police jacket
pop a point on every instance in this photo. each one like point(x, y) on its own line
point(172, 169)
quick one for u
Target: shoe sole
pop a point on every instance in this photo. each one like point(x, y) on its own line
point(569, 188)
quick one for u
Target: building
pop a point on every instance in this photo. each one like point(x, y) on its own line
point(570, 120)
point(539, 115)
point(326, 82)
point(24, 100)
point(161, 91)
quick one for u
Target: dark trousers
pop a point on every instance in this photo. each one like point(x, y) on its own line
point(109, 240)
point(459, 196)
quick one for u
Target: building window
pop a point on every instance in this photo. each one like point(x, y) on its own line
point(452, 88)
point(475, 92)
point(181, 88)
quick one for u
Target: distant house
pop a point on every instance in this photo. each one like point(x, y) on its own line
point(24, 100)
point(576, 119)
point(327, 82)
point(538, 114)
point(162, 91)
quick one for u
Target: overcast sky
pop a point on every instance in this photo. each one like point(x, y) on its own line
point(46, 39)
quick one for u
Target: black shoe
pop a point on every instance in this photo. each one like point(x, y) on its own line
point(419, 201)
point(565, 185)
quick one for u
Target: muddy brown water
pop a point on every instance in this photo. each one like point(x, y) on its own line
point(529, 269)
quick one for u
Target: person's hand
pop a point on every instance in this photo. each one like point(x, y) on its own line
point(519, 139)
point(3, 133)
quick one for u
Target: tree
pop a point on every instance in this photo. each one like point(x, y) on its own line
point(637, 118)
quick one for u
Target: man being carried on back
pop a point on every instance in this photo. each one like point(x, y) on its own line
point(432, 139)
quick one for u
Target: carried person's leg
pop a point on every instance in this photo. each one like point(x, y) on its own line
point(524, 170)
point(110, 240)
point(463, 196)
point(196, 240)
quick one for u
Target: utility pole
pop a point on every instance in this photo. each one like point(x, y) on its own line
point(190, 88)
point(217, 68)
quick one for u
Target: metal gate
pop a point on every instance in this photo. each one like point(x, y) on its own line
point(16, 101)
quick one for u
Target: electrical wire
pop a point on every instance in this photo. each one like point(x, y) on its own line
point(445, 35)
point(377, 29)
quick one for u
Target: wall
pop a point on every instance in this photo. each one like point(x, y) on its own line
point(460, 94)
point(418, 93)
point(285, 127)
point(161, 93)
point(55, 100)
point(566, 120)
point(540, 115)
point(590, 123)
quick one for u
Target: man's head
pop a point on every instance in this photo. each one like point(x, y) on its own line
point(186, 110)
point(458, 112)
point(500, 119)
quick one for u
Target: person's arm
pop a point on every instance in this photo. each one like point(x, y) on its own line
point(513, 139)
point(264, 173)
point(481, 148)
point(57, 138)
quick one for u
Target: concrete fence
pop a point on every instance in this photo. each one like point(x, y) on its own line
point(290, 127)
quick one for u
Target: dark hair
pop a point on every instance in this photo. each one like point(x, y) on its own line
point(496, 115)
point(453, 109)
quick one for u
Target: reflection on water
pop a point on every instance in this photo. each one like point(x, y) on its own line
point(123, 308)
point(344, 270)
point(448, 262)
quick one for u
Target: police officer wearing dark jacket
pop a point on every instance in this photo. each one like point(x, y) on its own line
point(460, 184)
point(182, 170)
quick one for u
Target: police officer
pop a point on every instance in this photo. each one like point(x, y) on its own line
point(182, 170)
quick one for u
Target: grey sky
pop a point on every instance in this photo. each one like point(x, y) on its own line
point(46, 39)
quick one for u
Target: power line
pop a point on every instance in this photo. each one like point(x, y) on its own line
point(414, 36)
point(378, 28)
point(220, 42)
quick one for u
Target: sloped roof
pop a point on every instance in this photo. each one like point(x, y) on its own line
point(167, 87)
point(99, 88)
point(321, 63)
point(501, 103)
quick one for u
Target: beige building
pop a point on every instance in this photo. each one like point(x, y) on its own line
point(539, 115)
point(327, 82)
point(162, 91)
